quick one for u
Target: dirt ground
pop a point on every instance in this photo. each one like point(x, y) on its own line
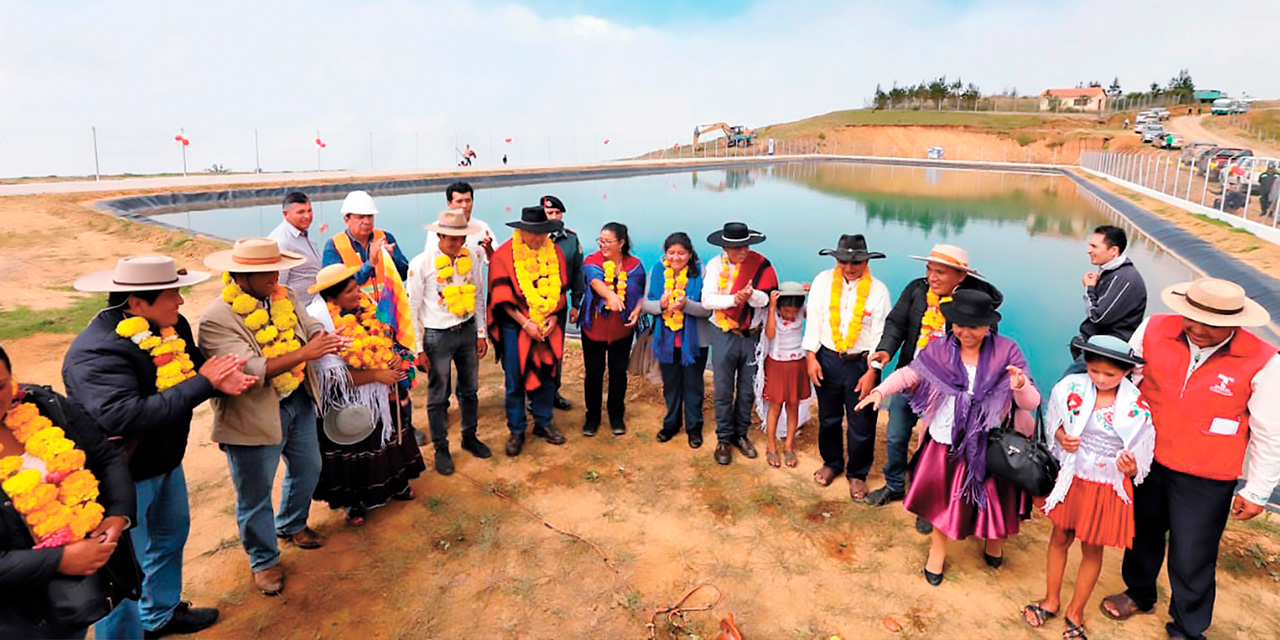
point(793, 560)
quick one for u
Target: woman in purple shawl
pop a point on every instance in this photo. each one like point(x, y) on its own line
point(963, 387)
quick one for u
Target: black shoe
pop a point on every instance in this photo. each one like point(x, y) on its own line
point(515, 442)
point(932, 578)
point(444, 462)
point(724, 453)
point(560, 403)
point(695, 439)
point(590, 427)
point(549, 433)
point(992, 561)
point(664, 435)
point(923, 527)
point(472, 445)
point(186, 619)
point(744, 445)
point(884, 495)
point(420, 437)
point(618, 427)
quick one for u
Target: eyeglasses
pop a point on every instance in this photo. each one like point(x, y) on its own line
point(603, 242)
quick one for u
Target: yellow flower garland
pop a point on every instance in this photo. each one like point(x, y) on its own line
point(674, 285)
point(844, 341)
point(274, 330)
point(370, 343)
point(167, 351)
point(58, 502)
point(932, 324)
point(615, 278)
point(538, 274)
point(459, 297)
point(728, 274)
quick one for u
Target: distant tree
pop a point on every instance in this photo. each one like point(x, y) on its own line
point(881, 99)
point(1095, 83)
point(1114, 90)
point(937, 90)
point(1182, 86)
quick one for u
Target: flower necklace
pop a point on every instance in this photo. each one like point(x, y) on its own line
point(458, 297)
point(728, 275)
point(538, 274)
point(49, 485)
point(370, 343)
point(273, 330)
point(844, 341)
point(674, 285)
point(167, 350)
point(932, 324)
point(615, 278)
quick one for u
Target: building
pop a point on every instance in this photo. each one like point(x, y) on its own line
point(1208, 95)
point(1092, 99)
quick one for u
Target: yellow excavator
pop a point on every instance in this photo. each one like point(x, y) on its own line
point(734, 136)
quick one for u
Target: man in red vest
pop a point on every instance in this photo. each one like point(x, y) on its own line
point(1214, 392)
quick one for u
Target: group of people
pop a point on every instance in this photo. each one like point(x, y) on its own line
point(301, 360)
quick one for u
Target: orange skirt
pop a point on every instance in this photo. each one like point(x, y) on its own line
point(786, 382)
point(1096, 514)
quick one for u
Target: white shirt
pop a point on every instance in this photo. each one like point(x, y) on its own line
point(1264, 417)
point(1113, 263)
point(478, 253)
point(817, 328)
point(945, 417)
point(715, 301)
point(291, 238)
point(786, 343)
point(425, 302)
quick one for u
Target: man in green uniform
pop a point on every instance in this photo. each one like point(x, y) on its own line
point(568, 242)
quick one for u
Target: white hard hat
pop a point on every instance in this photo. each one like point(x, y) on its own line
point(359, 203)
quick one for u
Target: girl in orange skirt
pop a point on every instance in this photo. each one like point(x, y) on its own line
point(786, 388)
point(1104, 439)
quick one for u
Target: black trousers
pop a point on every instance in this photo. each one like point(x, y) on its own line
point(1192, 511)
point(684, 390)
point(837, 397)
point(597, 357)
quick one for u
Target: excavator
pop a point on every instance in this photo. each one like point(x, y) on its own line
point(734, 136)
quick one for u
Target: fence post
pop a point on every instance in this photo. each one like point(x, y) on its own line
point(97, 173)
point(1176, 172)
point(1248, 191)
point(1165, 182)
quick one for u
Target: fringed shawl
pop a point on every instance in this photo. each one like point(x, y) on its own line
point(335, 388)
point(664, 339)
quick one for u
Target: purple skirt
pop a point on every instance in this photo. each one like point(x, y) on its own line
point(934, 496)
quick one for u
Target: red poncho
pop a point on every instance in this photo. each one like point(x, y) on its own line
point(537, 358)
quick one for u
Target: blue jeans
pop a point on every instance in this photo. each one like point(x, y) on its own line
point(902, 420)
point(253, 471)
point(159, 534)
point(539, 400)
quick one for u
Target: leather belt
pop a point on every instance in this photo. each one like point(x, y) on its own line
point(457, 327)
point(744, 333)
point(860, 356)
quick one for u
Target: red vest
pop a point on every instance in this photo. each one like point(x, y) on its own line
point(1184, 409)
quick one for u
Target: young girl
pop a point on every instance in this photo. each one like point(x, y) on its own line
point(786, 380)
point(1105, 441)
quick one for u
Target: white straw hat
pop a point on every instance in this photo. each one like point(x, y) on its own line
point(140, 273)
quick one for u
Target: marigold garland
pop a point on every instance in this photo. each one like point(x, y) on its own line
point(728, 275)
point(844, 341)
point(167, 351)
point(272, 328)
point(454, 283)
point(673, 284)
point(615, 278)
point(56, 494)
point(538, 274)
point(932, 324)
point(371, 343)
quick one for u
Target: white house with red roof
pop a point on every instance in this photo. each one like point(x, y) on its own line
point(1074, 99)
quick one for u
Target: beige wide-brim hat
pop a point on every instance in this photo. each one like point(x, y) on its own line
point(254, 255)
point(949, 256)
point(348, 425)
point(1217, 303)
point(140, 273)
point(453, 222)
point(331, 275)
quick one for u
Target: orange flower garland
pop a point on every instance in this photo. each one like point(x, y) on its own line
point(728, 274)
point(845, 341)
point(459, 297)
point(168, 351)
point(49, 486)
point(371, 344)
point(273, 330)
point(674, 285)
point(932, 324)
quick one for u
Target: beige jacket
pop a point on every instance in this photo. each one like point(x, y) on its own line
point(253, 417)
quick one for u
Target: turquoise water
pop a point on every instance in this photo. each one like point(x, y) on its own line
point(1024, 232)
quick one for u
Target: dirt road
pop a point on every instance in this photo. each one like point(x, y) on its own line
point(1192, 128)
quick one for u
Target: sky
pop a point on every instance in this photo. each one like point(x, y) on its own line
point(402, 84)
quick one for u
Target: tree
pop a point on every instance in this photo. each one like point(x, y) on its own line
point(882, 99)
point(1182, 86)
point(1114, 90)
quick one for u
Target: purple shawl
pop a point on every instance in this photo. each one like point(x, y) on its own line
point(942, 376)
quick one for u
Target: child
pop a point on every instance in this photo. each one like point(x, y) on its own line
point(786, 381)
point(1104, 439)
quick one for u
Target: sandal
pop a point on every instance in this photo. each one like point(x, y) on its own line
point(1074, 631)
point(791, 459)
point(1041, 614)
point(355, 517)
point(772, 458)
point(1123, 605)
point(824, 475)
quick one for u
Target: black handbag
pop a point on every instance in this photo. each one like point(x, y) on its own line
point(1024, 462)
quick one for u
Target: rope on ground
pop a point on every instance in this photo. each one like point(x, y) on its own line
point(675, 613)
point(497, 492)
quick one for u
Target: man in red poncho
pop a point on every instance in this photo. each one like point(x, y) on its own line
point(526, 290)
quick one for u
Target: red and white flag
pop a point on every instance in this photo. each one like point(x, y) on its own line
point(183, 139)
point(320, 143)
point(606, 141)
point(507, 140)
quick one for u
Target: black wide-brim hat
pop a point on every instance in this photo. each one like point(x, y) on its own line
point(851, 248)
point(735, 234)
point(970, 308)
point(534, 220)
point(1109, 347)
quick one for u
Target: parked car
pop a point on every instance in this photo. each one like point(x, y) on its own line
point(1169, 140)
point(1152, 130)
point(1161, 113)
point(1191, 152)
point(1220, 158)
point(1221, 106)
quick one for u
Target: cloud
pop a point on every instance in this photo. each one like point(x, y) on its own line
point(401, 80)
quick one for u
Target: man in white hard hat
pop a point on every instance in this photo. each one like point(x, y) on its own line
point(360, 244)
